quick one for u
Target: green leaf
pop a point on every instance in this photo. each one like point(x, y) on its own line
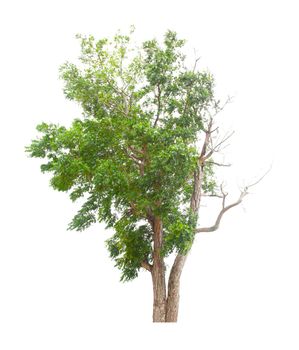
point(134, 151)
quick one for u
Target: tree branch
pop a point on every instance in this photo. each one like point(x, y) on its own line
point(223, 210)
point(146, 265)
point(230, 206)
point(217, 147)
point(260, 179)
point(136, 159)
point(189, 87)
point(211, 195)
point(218, 164)
point(159, 105)
point(206, 141)
point(219, 108)
point(134, 150)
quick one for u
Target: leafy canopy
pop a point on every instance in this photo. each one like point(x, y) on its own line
point(133, 153)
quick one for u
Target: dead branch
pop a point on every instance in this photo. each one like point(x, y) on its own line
point(189, 87)
point(260, 179)
point(227, 137)
point(225, 207)
point(217, 147)
point(218, 164)
point(223, 210)
point(211, 195)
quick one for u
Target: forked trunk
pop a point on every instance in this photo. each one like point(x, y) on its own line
point(166, 309)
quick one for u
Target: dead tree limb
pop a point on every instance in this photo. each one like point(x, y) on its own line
point(225, 207)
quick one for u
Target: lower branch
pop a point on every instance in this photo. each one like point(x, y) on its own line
point(147, 266)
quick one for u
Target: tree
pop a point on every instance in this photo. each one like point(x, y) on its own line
point(141, 157)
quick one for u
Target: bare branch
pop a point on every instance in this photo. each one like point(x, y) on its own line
point(195, 63)
point(226, 208)
point(211, 195)
point(218, 164)
point(216, 129)
point(189, 88)
point(223, 210)
point(217, 147)
point(224, 195)
point(260, 179)
point(219, 108)
point(208, 148)
point(206, 141)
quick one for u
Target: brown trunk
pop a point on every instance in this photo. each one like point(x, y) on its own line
point(166, 309)
point(173, 297)
point(158, 275)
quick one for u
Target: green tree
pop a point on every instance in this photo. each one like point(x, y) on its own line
point(141, 155)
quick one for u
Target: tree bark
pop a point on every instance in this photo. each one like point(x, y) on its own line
point(173, 297)
point(158, 274)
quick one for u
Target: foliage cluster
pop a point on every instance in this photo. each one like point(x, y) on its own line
point(134, 151)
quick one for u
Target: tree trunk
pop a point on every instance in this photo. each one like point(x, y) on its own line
point(158, 275)
point(159, 305)
point(173, 298)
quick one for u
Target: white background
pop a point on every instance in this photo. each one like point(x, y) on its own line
point(59, 289)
